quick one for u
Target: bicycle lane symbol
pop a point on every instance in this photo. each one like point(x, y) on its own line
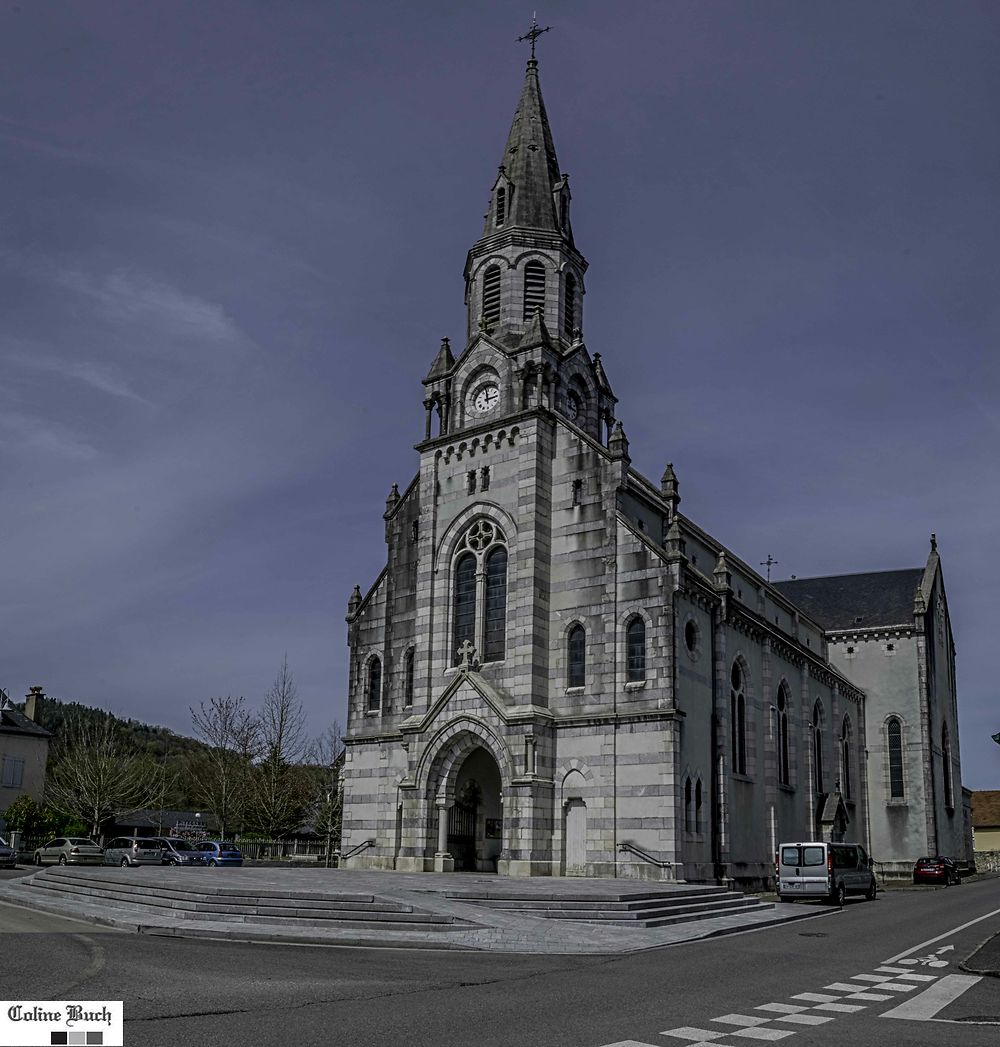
point(932, 959)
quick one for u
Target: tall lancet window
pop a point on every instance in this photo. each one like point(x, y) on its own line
point(496, 604)
point(491, 296)
point(374, 685)
point(479, 592)
point(534, 289)
point(783, 753)
point(569, 306)
point(817, 729)
point(464, 624)
point(845, 757)
point(501, 211)
point(894, 743)
point(949, 785)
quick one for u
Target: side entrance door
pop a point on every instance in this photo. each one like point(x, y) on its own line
point(576, 837)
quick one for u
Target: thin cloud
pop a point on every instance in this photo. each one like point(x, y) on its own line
point(126, 296)
point(35, 434)
point(92, 374)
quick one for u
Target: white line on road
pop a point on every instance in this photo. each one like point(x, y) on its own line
point(941, 937)
point(925, 1005)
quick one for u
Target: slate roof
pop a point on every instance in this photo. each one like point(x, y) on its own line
point(986, 809)
point(13, 721)
point(879, 598)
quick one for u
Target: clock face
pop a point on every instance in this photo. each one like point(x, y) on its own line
point(486, 398)
point(572, 407)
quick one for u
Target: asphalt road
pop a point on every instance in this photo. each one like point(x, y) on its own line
point(216, 993)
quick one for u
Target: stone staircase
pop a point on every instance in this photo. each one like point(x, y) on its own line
point(124, 890)
point(625, 908)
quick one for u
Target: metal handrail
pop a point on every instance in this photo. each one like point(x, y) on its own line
point(341, 855)
point(627, 845)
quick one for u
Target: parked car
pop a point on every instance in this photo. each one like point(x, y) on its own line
point(936, 870)
point(132, 850)
point(69, 850)
point(216, 852)
point(824, 870)
point(8, 856)
point(178, 851)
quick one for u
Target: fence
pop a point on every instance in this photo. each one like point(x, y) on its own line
point(294, 848)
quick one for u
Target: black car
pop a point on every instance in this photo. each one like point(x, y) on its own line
point(178, 851)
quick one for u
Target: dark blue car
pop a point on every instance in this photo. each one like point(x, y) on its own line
point(216, 852)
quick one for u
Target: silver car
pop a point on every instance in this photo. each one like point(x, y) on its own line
point(68, 850)
point(831, 871)
point(133, 850)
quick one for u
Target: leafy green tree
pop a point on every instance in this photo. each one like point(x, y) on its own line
point(31, 818)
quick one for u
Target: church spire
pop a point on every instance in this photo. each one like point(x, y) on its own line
point(530, 188)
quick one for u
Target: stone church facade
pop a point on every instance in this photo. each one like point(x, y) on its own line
point(557, 672)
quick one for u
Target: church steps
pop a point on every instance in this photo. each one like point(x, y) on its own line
point(489, 897)
point(377, 915)
point(624, 916)
point(625, 909)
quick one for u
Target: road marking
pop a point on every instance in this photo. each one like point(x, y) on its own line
point(762, 1034)
point(896, 986)
point(941, 937)
point(873, 997)
point(632, 1043)
point(804, 1019)
point(919, 977)
point(868, 978)
point(898, 970)
point(781, 1008)
point(816, 997)
point(840, 1008)
point(745, 1020)
point(688, 1032)
point(925, 1005)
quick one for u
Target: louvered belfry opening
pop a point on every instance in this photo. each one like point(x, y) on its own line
point(569, 306)
point(534, 289)
point(501, 205)
point(491, 296)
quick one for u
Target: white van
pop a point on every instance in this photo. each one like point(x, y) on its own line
point(823, 870)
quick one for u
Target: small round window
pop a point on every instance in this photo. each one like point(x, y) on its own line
point(691, 637)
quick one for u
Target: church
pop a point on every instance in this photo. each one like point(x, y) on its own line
point(558, 673)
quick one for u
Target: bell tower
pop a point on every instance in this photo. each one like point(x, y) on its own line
point(525, 264)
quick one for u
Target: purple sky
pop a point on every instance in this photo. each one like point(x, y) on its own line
point(233, 234)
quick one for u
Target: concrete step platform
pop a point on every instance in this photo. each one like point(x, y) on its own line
point(398, 910)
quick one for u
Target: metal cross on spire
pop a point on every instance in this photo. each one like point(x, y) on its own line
point(769, 563)
point(533, 33)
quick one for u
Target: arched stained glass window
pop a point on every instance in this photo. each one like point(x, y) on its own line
point(688, 810)
point(845, 758)
point(496, 605)
point(894, 746)
point(374, 685)
point(783, 761)
point(464, 627)
point(738, 722)
point(817, 726)
point(635, 650)
point(491, 296)
point(949, 785)
point(699, 822)
point(408, 678)
point(576, 657)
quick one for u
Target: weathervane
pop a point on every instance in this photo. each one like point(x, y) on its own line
point(533, 33)
point(769, 563)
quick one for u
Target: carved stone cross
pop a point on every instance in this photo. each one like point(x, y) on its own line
point(468, 659)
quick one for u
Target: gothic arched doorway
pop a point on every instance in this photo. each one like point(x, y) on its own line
point(475, 819)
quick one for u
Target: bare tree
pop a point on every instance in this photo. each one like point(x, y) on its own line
point(326, 762)
point(96, 776)
point(279, 791)
point(223, 771)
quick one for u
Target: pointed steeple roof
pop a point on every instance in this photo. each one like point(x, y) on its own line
point(443, 362)
point(529, 160)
